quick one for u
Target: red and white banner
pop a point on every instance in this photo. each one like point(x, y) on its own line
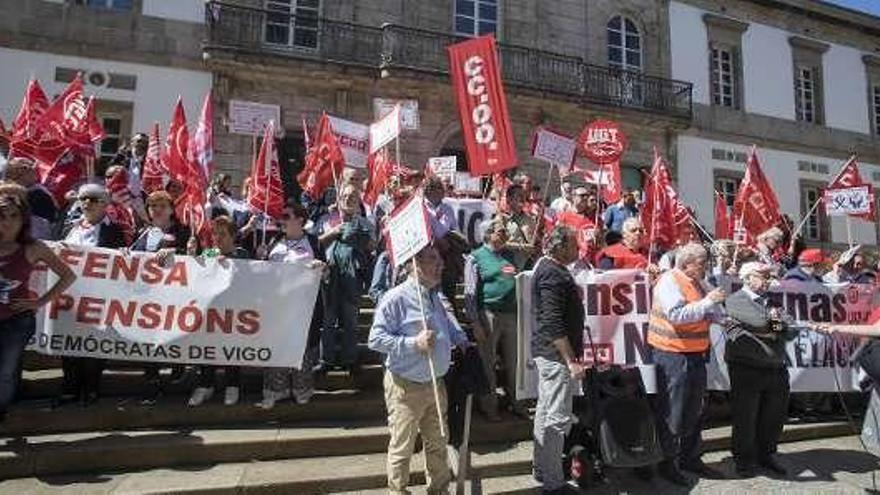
point(617, 306)
point(849, 177)
point(482, 106)
point(603, 143)
point(408, 231)
point(385, 130)
point(756, 208)
point(353, 139)
point(554, 148)
point(196, 311)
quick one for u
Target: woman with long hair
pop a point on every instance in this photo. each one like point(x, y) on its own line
point(19, 253)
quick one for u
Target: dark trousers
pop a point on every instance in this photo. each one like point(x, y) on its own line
point(681, 390)
point(207, 374)
point(758, 403)
point(14, 335)
point(81, 376)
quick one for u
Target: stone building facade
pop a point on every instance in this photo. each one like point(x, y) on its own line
point(338, 56)
point(136, 57)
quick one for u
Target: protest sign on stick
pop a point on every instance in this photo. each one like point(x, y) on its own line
point(384, 130)
point(444, 167)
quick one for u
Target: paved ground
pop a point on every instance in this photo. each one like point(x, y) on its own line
point(830, 466)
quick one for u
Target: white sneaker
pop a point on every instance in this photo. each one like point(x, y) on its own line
point(268, 402)
point(230, 397)
point(303, 398)
point(201, 395)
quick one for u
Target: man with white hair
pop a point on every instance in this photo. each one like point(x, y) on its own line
point(767, 243)
point(755, 355)
point(678, 334)
point(626, 253)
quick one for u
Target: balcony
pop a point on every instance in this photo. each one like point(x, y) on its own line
point(391, 47)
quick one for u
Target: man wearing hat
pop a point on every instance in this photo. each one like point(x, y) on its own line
point(755, 355)
point(807, 269)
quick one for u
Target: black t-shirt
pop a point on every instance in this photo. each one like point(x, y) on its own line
point(559, 310)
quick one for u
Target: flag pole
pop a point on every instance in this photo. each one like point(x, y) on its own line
point(415, 268)
point(598, 196)
point(652, 233)
point(849, 238)
point(266, 169)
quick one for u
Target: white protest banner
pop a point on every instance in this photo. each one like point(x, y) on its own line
point(465, 183)
point(408, 231)
point(554, 148)
point(443, 167)
point(384, 130)
point(354, 139)
point(471, 213)
point(617, 308)
point(848, 200)
point(194, 311)
point(409, 111)
point(251, 118)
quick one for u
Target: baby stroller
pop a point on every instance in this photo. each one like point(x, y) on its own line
point(614, 425)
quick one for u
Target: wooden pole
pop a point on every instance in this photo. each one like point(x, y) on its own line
point(430, 352)
point(464, 452)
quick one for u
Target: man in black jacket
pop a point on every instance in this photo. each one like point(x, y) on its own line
point(557, 347)
point(755, 355)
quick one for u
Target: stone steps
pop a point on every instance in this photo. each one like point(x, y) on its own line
point(131, 450)
point(499, 465)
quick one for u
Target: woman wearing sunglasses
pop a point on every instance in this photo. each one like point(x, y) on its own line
point(19, 253)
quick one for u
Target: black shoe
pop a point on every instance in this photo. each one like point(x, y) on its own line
point(88, 400)
point(63, 400)
point(772, 465)
point(562, 490)
point(700, 468)
point(669, 472)
point(745, 471)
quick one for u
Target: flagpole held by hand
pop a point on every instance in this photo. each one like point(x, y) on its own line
point(430, 352)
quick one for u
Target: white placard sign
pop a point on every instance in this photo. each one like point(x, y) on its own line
point(554, 148)
point(354, 139)
point(443, 167)
point(466, 183)
point(408, 231)
point(848, 201)
point(251, 118)
point(409, 111)
point(384, 130)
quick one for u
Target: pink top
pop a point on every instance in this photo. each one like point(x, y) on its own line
point(15, 275)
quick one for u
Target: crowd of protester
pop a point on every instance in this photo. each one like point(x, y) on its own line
point(341, 236)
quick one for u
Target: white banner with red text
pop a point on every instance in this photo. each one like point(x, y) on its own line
point(617, 307)
point(129, 307)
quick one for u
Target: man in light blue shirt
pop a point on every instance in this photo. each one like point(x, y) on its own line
point(398, 332)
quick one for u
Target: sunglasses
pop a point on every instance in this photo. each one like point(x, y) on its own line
point(95, 199)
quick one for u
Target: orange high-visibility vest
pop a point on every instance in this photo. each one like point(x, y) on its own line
point(686, 337)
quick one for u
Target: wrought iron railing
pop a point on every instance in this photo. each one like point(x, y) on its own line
point(391, 47)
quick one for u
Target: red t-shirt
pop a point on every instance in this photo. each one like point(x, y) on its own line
point(874, 316)
point(584, 227)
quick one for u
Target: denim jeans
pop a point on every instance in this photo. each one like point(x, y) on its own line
point(14, 335)
point(552, 420)
point(681, 390)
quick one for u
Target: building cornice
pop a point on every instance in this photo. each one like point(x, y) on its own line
point(807, 44)
point(725, 23)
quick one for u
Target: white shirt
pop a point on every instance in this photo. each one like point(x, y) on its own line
point(85, 235)
point(676, 309)
point(292, 251)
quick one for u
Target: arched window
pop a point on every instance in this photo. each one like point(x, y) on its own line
point(624, 44)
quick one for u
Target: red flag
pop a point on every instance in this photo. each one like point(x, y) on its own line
point(154, 174)
point(176, 153)
point(379, 169)
point(722, 218)
point(83, 134)
point(482, 106)
point(120, 208)
point(33, 105)
point(664, 216)
point(202, 145)
point(54, 130)
point(266, 193)
point(68, 170)
point(756, 208)
point(849, 176)
point(323, 161)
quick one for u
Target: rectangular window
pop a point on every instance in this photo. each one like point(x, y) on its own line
point(724, 73)
point(112, 141)
point(816, 228)
point(292, 23)
point(875, 104)
point(475, 17)
point(805, 94)
point(726, 186)
point(109, 4)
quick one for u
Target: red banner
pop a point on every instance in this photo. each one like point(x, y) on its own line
point(482, 106)
point(756, 208)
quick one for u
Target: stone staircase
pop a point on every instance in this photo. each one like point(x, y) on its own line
point(334, 444)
